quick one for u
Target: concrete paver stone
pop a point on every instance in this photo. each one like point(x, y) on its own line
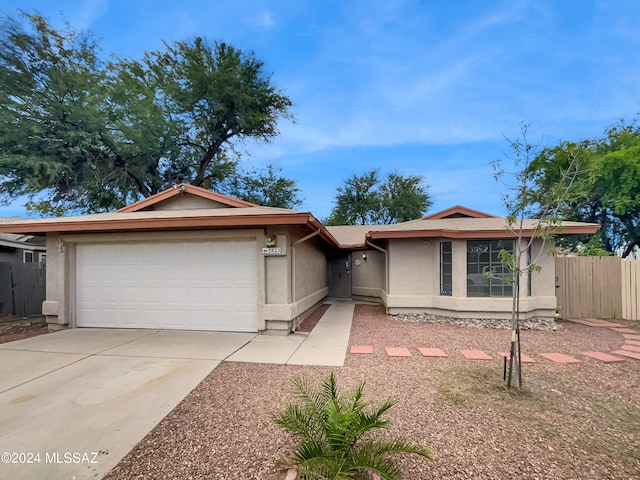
point(625, 330)
point(627, 353)
point(628, 336)
point(361, 349)
point(559, 357)
point(475, 355)
point(603, 357)
point(397, 352)
point(632, 348)
point(432, 352)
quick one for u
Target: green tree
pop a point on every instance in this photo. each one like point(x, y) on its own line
point(51, 119)
point(93, 135)
point(266, 187)
point(335, 434)
point(403, 198)
point(607, 187)
point(357, 202)
point(365, 199)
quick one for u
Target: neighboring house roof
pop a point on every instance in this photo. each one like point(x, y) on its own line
point(20, 241)
point(183, 189)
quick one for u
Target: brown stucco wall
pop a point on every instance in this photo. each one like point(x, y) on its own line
point(311, 269)
point(295, 282)
point(368, 278)
point(275, 308)
point(187, 202)
point(414, 281)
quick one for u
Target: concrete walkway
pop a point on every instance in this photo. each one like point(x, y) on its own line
point(326, 344)
point(74, 402)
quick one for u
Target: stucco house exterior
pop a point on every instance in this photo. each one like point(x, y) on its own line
point(189, 258)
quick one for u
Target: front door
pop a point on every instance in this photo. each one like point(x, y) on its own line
point(340, 277)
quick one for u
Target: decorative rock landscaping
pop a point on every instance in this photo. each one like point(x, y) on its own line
point(537, 323)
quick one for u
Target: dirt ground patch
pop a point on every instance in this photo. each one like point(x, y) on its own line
point(572, 421)
point(313, 319)
point(20, 328)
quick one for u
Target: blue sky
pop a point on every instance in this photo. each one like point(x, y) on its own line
point(424, 87)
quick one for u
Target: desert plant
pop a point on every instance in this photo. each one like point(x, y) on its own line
point(330, 428)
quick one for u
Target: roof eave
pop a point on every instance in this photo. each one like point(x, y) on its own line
point(114, 224)
point(124, 224)
point(585, 229)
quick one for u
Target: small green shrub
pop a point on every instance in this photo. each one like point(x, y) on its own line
point(330, 428)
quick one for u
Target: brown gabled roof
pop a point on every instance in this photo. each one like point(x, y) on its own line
point(351, 236)
point(441, 224)
point(464, 227)
point(458, 211)
point(182, 189)
point(170, 220)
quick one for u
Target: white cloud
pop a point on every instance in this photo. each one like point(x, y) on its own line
point(265, 20)
point(85, 16)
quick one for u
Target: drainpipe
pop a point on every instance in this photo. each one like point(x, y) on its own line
point(293, 262)
point(386, 267)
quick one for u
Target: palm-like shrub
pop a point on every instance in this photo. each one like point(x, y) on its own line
point(330, 429)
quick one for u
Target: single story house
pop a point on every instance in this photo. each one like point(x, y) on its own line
point(18, 248)
point(189, 258)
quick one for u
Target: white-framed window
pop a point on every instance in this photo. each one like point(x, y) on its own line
point(42, 259)
point(27, 256)
point(446, 270)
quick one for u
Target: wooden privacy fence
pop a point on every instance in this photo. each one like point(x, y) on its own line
point(631, 289)
point(22, 288)
point(600, 287)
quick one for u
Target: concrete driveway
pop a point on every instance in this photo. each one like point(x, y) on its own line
point(73, 403)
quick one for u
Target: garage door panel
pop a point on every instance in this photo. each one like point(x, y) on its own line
point(109, 254)
point(244, 271)
point(183, 285)
point(197, 296)
point(246, 250)
point(223, 253)
point(243, 296)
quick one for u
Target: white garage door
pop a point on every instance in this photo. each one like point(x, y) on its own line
point(172, 285)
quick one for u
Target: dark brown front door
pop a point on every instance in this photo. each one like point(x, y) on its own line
point(340, 277)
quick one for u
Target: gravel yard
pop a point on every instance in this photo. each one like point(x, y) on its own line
point(572, 421)
point(12, 329)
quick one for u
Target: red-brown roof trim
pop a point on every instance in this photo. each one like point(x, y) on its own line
point(182, 189)
point(113, 223)
point(458, 209)
point(469, 234)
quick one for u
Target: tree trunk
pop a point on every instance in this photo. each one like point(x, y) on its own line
point(514, 378)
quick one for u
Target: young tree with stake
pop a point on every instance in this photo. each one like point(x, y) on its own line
point(521, 200)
